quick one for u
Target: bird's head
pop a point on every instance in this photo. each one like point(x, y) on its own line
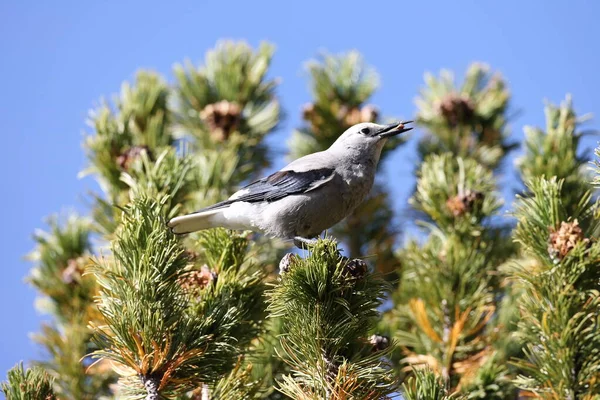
point(368, 135)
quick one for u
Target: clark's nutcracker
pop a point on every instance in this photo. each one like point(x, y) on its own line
point(305, 197)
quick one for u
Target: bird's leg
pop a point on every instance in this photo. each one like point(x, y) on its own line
point(304, 243)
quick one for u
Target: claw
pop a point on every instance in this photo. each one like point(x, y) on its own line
point(304, 243)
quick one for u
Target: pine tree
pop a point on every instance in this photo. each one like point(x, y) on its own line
point(446, 305)
point(557, 274)
point(61, 257)
point(560, 304)
point(154, 142)
point(167, 328)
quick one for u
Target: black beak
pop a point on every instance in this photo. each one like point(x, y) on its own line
point(394, 129)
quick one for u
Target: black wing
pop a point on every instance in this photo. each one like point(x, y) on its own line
point(279, 185)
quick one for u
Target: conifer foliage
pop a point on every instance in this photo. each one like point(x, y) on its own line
point(446, 305)
point(186, 332)
point(561, 303)
point(32, 384)
point(558, 273)
point(469, 120)
point(328, 306)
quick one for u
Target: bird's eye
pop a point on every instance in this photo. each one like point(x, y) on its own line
point(365, 131)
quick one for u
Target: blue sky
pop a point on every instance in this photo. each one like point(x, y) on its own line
point(59, 58)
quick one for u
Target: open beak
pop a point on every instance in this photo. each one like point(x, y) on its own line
point(394, 129)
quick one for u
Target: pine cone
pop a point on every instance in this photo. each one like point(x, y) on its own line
point(354, 115)
point(490, 136)
point(222, 118)
point(464, 203)
point(379, 342)
point(287, 262)
point(126, 158)
point(196, 280)
point(356, 269)
point(563, 240)
point(369, 113)
point(74, 270)
point(191, 255)
point(308, 112)
point(456, 109)
point(350, 116)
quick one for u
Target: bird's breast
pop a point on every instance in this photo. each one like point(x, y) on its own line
point(359, 180)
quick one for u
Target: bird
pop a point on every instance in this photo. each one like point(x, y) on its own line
point(307, 196)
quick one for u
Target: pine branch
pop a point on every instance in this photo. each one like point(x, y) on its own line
point(138, 123)
point(560, 306)
point(30, 384)
point(240, 384)
point(425, 385)
point(457, 194)
point(553, 152)
point(163, 327)
point(61, 258)
point(468, 121)
point(168, 174)
point(448, 294)
point(229, 103)
point(445, 310)
point(328, 304)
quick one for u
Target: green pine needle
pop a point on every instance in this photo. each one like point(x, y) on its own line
point(31, 384)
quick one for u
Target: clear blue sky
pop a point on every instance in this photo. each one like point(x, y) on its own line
point(59, 58)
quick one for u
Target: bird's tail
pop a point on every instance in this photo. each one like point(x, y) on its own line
point(196, 221)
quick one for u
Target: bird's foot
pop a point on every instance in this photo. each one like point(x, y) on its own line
point(304, 243)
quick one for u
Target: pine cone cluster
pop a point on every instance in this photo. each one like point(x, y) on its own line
point(128, 157)
point(464, 203)
point(347, 116)
point(355, 115)
point(379, 342)
point(196, 280)
point(222, 118)
point(356, 269)
point(457, 109)
point(563, 240)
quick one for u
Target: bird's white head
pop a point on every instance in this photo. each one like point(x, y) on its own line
point(368, 137)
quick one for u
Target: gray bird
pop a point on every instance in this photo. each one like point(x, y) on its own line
point(305, 197)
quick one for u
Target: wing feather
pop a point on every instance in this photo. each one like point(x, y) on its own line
point(277, 186)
